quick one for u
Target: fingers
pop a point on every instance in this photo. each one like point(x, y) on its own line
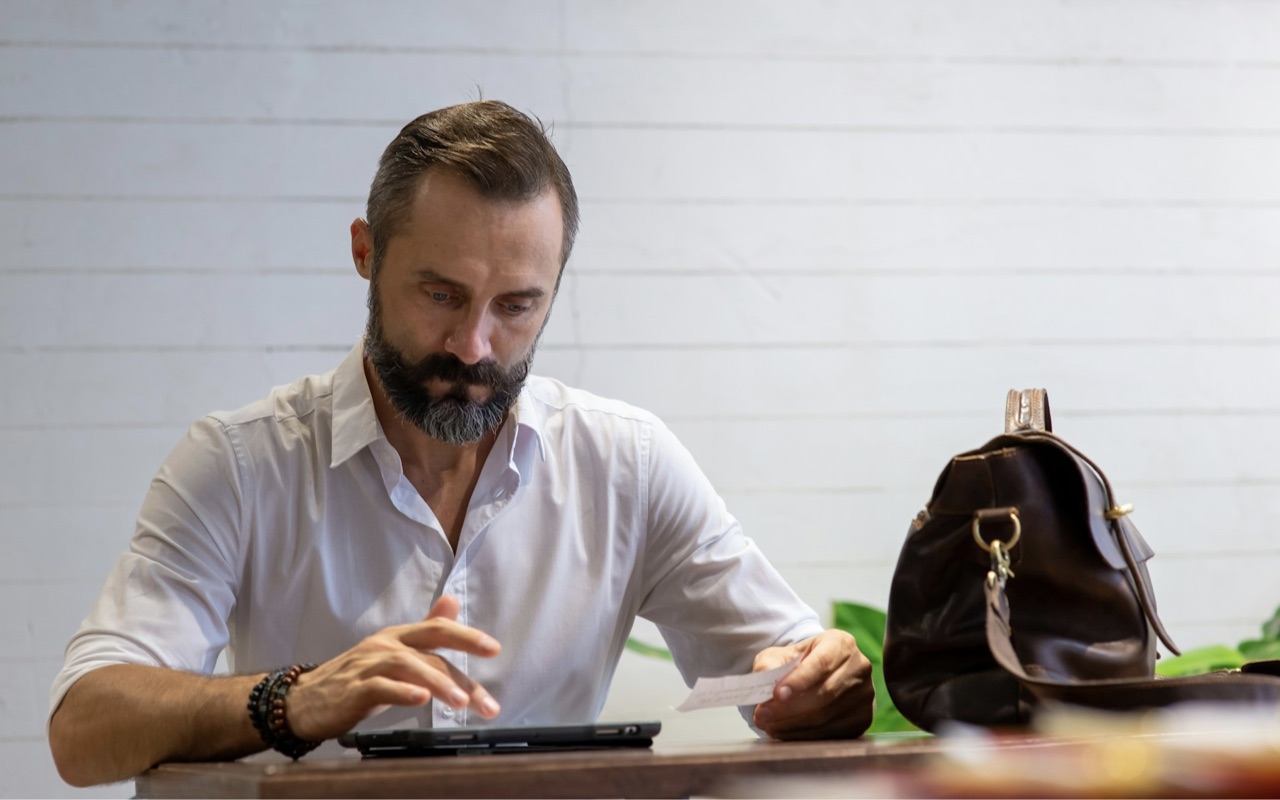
point(773, 657)
point(396, 666)
point(828, 694)
point(827, 653)
point(446, 607)
point(446, 683)
point(440, 630)
point(444, 633)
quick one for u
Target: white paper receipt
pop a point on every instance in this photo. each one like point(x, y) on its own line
point(735, 690)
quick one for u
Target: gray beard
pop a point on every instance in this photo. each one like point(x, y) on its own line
point(453, 418)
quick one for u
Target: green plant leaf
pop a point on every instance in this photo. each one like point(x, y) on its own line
point(640, 648)
point(1271, 628)
point(1200, 661)
point(867, 625)
point(1259, 649)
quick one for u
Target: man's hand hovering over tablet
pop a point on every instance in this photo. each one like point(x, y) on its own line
point(395, 666)
point(828, 695)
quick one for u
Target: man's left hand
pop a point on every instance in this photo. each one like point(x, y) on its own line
point(828, 695)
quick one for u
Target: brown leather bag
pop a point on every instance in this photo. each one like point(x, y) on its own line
point(1024, 581)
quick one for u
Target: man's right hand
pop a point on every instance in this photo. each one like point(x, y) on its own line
point(395, 666)
point(118, 720)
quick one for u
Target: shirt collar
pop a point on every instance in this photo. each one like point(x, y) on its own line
point(355, 423)
point(529, 428)
point(356, 426)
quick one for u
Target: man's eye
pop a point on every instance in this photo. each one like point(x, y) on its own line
point(516, 308)
point(440, 297)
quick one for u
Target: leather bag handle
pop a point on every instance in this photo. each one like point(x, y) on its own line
point(1027, 410)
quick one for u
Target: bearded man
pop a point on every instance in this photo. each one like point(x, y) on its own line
point(428, 535)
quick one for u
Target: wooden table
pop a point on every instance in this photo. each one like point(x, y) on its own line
point(664, 771)
point(1008, 765)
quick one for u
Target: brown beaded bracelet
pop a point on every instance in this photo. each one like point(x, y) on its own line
point(266, 712)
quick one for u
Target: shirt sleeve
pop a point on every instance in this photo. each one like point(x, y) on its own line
point(167, 600)
point(715, 598)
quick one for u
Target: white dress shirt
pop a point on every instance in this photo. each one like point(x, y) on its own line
point(287, 532)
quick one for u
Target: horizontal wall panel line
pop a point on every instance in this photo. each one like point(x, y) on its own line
point(931, 60)
point(662, 55)
point(59, 506)
point(230, 199)
point(890, 416)
point(704, 347)
point(1205, 483)
point(1029, 272)
point(234, 270)
point(1021, 272)
point(146, 119)
point(885, 416)
point(1128, 484)
point(945, 344)
point(946, 130)
point(763, 201)
point(251, 47)
point(639, 125)
point(160, 348)
point(912, 202)
point(829, 491)
point(1217, 553)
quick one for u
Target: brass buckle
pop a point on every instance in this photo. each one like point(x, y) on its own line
point(1000, 571)
point(1013, 540)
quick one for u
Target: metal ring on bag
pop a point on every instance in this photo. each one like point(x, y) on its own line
point(1017, 533)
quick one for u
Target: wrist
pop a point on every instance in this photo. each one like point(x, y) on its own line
point(268, 712)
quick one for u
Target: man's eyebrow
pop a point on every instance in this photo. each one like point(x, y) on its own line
point(532, 293)
point(431, 276)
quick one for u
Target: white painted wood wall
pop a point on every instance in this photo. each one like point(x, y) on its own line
point(820, 238)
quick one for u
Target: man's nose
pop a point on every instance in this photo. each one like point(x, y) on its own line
point(469, 340)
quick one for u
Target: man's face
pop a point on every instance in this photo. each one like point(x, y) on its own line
point(458, 303)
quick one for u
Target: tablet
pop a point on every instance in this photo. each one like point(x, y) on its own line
point(518, 739)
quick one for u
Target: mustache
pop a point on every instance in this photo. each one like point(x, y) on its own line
point(451, 369)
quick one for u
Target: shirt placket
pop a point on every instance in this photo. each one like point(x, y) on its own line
point(469, 543)
point(444, 715)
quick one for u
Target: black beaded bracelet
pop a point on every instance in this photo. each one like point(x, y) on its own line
point(266, 712)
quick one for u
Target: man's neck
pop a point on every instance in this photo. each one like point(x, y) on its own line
point(444, 474)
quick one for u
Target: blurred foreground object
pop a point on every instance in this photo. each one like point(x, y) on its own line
point(1187, 751)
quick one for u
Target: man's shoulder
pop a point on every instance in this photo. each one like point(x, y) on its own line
point(284, 404)
point(548, 397)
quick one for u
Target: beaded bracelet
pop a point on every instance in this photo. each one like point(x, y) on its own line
point(266, 712)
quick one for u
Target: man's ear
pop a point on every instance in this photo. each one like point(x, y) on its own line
point(362, 248)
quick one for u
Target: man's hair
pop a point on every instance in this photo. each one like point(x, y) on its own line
point(504, 153)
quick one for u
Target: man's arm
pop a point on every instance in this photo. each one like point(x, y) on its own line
point(828, 695)
point(118, 721)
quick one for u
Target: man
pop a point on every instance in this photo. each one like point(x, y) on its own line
point(443, 534)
